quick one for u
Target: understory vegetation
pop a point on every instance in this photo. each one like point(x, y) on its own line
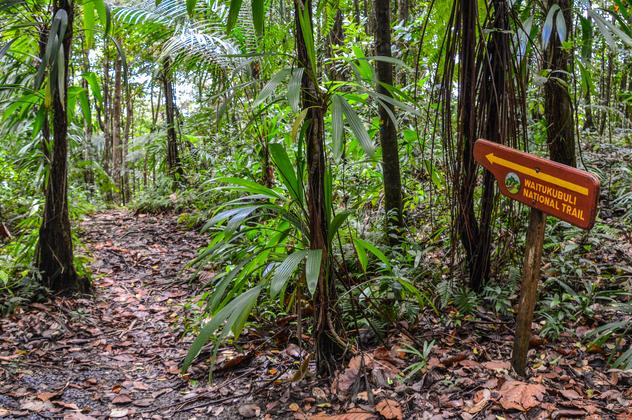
point(325, 149)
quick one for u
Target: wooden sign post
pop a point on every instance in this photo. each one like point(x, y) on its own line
point(547, 187)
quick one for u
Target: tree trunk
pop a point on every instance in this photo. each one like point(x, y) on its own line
point(54, 256)
point(117, 151)
point(335, 39)
point(466, 220)
point(587, 51)
point(493, 104)
point(129, 120)
point(327, 348)
point(403, 11)
point(173, 160)
point(607, 94)
point(107, 122)
point(87, 132)
point(558, 106)
point(388, 135)
point(43, 39)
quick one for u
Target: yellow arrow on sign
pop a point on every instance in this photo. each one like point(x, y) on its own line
point(493, 159)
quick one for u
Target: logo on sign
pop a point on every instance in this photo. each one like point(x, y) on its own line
point(512, 182)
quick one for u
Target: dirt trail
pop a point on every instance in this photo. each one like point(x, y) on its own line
point(115, 355)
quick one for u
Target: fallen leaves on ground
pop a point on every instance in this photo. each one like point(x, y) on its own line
point(390, 410)
point(517, 395)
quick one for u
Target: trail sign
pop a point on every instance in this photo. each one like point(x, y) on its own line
point(547, 187)
point(562, 191)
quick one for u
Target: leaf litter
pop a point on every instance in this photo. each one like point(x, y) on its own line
point(117, 355)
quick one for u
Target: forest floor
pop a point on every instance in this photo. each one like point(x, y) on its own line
point(116, 355)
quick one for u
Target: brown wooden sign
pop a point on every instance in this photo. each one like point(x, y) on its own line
point(562, 191)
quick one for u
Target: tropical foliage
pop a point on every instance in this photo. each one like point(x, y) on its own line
point(324, 147)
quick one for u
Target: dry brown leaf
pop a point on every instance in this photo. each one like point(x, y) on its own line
point(449, 361)
point(36, 406)
point(570, 394)
point(345, 380)
point(351, 415)
point(144, 402)
point(497, 365)
point(389, 409)
point(46, 396)
point(121, 399)
point(78, 416)
point(117, 413)
point(69, 406)
point(517, 395)
point(469, 364)
point(481, 399)
point(249, 410)
point(140, 386)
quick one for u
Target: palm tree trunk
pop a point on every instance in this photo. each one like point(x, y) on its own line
point(493, 103)
point(327, 348)
point(173, 160)
point(87, 131)
point(117, 152)
point(54, 256)
point(466, 220)
point(558, 108)
point(388, 135)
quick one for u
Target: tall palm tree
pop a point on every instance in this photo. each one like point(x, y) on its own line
point(50, 38)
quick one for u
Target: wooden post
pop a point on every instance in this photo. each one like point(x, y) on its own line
point(528, 290)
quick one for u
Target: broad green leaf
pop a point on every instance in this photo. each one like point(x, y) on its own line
point(548, 25)
point(623, 36)
point(560, 25)
point(61, 75)
point(104, 16)
point(307, 31)
point(335, 224)
point(6, 47)
point(361, 252)
point(336, 126)
point(374, 250)
point(233, 14)
point(624, 361)
point(250, 186)
point(389, 111)
point(387, 59)
point(190, 6)
point(236, 221)
point(365, 70)
point(38, 122)
point(587, 36)
point(392, 101)
point(95, 87)
point(209, 329)
point(258, 15)
point(298, 122)
point(523, 38)
point(85, 107)
point(286, 170)
point(284, 271)
point(312, 269)
point(238, 319)
point(88, 23)
point(358, 128)
point(271, 86)
point(220, 289)
point(294, 89)
point(227, 214)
